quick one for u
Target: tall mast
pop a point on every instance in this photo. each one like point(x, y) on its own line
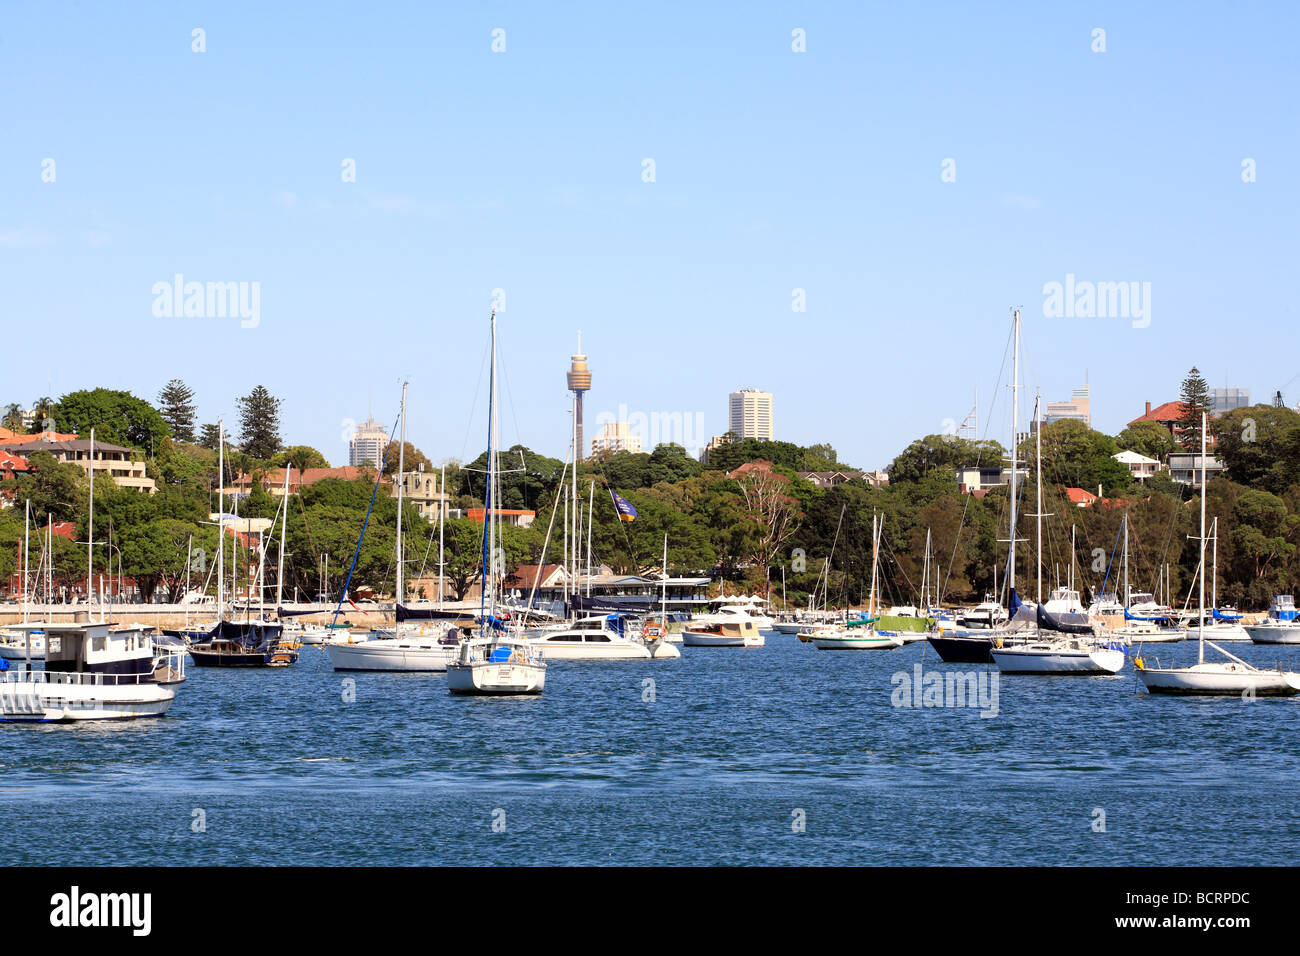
point(284, 533)
point(591, 511)
point(1015, 428)
point(1127, 596)
point(1214, 577)
point(27, 548)
point(491, 557)
point(221, 509)
point(189, 550)
point(1201, 629)
point(90, 533)
point(1038, 517)
point(442, 515)
point(401, 464)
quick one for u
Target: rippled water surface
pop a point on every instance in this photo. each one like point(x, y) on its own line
point(736, 747)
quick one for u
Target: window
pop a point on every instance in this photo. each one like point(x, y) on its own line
point(99, 644)
point(597, 639)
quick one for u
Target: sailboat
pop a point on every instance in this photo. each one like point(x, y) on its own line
point(414, 647)
point(1233, 677)
point(961, 643)
point(497, 661)
point(860, 635)
point(237, 643)
point(1062, 645)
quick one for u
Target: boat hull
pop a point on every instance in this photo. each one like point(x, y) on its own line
point(588, 651)
point(1219, 680)
point(855, 642)
point(707, 639)
point(391, 655)
point(27, 701)
point(276, 658)
point(485, 678)
point(1271, 633)
point(1031, 659)
point(962, 650)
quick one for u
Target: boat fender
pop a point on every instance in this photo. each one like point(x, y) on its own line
point(998, 642)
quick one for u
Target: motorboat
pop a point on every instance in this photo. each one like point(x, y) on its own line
point(91, 672)
point(414, 648)
point(740, 632)
point(1280, 627)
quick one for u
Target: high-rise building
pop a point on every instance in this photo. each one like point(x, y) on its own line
point(750, 414)
point(616, 437)
point(1226, 399)
point(1076, 409)
point(579, 381)
point(369, 443)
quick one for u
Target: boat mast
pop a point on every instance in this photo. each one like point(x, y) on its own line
point(1201, 629)
point(591, 510)
point(221, 509)
point(1015, 427)
point(1127, 596)
point(442, 517)
point(1214, 577)
point(489, 597)
point(284, 533)
point(27, 547)
point(663, 593)
point(875, 551)
point(401, 463)
point(90, 533)
point(189, 551)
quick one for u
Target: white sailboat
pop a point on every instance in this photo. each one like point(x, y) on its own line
point(1282, 626)
point(860, 635)
point(413, 647)
point(1061, 646)
point(1233, 677)
point(496, 662)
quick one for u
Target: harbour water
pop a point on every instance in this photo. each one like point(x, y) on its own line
point(777, 755)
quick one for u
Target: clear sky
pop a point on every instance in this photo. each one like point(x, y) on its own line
point(523, 170)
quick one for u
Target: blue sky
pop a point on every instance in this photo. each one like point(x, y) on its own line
point(774, 170)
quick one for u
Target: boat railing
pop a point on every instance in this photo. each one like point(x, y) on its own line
point(73, 678)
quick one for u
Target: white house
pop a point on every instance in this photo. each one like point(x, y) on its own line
point(1139, 466)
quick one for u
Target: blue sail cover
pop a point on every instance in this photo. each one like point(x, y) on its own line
point(1159, 619)
point(1220, 616)
point(1014, 603)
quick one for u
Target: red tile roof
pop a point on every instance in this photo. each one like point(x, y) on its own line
point(1080, 497)
point(1168, 412)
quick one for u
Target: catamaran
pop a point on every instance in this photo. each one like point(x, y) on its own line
point(1232, 677)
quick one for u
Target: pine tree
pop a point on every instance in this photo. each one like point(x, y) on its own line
point(209, 436)
point(1195, 396)
point(259, 423)
point(176, 404)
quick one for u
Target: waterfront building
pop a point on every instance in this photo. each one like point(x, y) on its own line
point(1185, 467)
point(113, 461)
point(1139, 466)
point(749, 414)
point(519, 517)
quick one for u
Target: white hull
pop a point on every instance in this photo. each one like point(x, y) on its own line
point(793, 627)
point(588, 651)
point(1219, 679)
point(485, 678)
point(1057, 658)
point(705, 639)
point(391, 655)
point(34, 698)
point(1219, 632)
point(1141, 635)
point(870, 641)
point(1271, 633)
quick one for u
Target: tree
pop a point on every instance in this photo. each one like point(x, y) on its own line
point(54, 488)
point(943, 454)
point(1147, 438)
point(259, 423)
point(1195, 396)
point(117, 417)
point(301, 457)
point(774, 511)
point(176, 405)
point(1078, 456)
point(210, 436)
point(412, 459)
point(1260, 446)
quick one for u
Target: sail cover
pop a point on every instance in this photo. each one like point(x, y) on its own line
point(1049, 622)
point(405, 613)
